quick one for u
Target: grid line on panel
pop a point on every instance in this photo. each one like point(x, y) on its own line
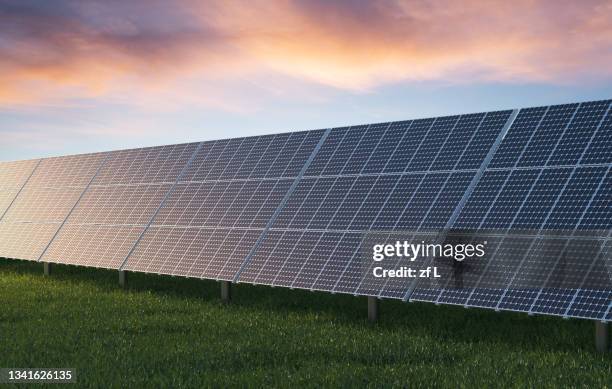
point(273, 162)
point(549, 167)
point(545, 138)
point(503, 186)
point(272, 217)
point(577, 224)
point(329, 258)
point(331, 155)
point(586, 209)
point(348, 263)
point(567, 241)
point(348, 191)
point(605, 315)
point(473, 183)
point(499, 192)
point(444, 185)
point(397, 221)
point(414, 192)
point(584, 278)
point(341, 147)
point(594, 134)
point(470, 189)
point(281, 205)
point(301, 269)
point(384, 204)
point(73, 207)
point(170, 190)
point(282, 266)
point(518, 211)
point(255, 164)
point(382, 136)
point(483, 167)
point(421, 142)
point(550, 211)
point(20, 190)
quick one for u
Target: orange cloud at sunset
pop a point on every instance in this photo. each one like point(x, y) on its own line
point(70, 50)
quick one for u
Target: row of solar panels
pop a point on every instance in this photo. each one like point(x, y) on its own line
point(291, 209)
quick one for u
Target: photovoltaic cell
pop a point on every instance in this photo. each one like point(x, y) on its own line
point(546, 136)
point(598, 150)
point(145, 166)
point(580, 131)
point(518, 137)
point(122, 198)
point(48, 195)
point(25, 240)
point(13, 175)
point(92, 245)
point(220, 207)
point(336, 196)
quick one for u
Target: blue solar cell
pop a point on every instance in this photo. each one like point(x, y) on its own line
point(365, 148)
point(500, 269)
point(598, 150)
point(432, 144)
point(407, 147)
point(304, 201)
point(384, 151)
point(331, 204)
point(374, 203)
point(298, 156)
point(574, 141)
point(509, 199)
point(401, 194)
point(328, 149)
point(456, 142)
point(346, 211)
point(483, 139)
point(345, 150)
point(518, 137)
point(481, 199)
point(258, 147)
point(446, 200)
point(145, 166)
point(598, 214)
point(567, 273)
point(314, 262)
point(576, 196)
point(547, 135)
point(542, 197)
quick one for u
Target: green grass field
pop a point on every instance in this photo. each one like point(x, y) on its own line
point(174, 332)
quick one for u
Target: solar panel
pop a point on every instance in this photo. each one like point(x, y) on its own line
point(336, 197)
point(293, 209)
point(528, 187)
point(119, 203)
point(13, 176)
point(222, 205)
point(48, 195)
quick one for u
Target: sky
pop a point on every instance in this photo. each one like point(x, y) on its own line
point(81, 76)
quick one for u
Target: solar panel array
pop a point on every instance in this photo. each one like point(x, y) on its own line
point(292, 209)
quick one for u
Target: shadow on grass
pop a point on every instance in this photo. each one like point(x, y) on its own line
point(513, 331)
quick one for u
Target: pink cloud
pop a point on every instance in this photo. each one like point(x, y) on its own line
point(158, 52)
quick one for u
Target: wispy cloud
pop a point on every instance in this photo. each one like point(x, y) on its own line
point(189, 52)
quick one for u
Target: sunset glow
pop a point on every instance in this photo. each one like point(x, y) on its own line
point(98, 74)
